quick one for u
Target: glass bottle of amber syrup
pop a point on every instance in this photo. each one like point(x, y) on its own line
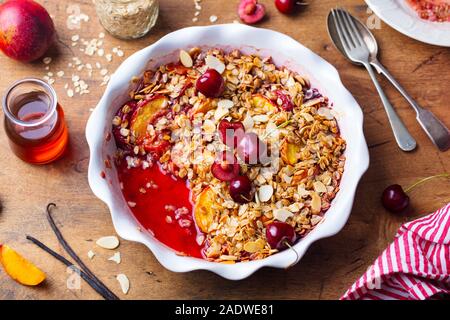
point(34, 121)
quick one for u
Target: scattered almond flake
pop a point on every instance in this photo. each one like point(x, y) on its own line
point(109, 242)
point(75, 38)
point(47, 60)
point(213, 18)
point(214, 63)
point(109, 57)
point(50, 74)
point(124, 282)
point(197, 13)
point(316, 203)
point(104, 72)
point(116, 258)
point(75, 78)
point(120, 53)
point(101, 35)
point(319, 187)
point(195, 19)
point(100, 52)
point(131, 203)
point(46, 78)
point(225, 104)
point(70, 93)
point(60, 73)
point(51, 81)
point(98, 65)
point(115, 49)
point(265, 193)
point(282, 214)
point(66, 86)
point(186, 59)
point(90, 254)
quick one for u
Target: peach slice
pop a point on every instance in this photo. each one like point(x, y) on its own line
point(203, 213)
point(145, 113)
point(19, 268)
point(290, 152)
point(258, 101)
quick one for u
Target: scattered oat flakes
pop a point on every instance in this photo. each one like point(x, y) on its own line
point(91, 254)
point(213, 18)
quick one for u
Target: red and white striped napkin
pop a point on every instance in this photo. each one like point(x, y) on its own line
point(415, 266)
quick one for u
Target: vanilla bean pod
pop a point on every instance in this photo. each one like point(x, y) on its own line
point(100, 290)
point(72, 253)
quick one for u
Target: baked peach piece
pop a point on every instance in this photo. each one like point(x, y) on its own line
point(203, 211)
point(20, 269)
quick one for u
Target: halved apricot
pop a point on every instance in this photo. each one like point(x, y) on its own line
point(258, 101)
point(19, 268)
point(290, 152)
point(145, 113)
point(203, 211)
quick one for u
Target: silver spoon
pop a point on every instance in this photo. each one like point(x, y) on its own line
point(433, 127)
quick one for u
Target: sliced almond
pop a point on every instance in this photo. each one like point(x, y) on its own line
point(325, 112)
point(220, 113)
point(282, 214)
point(316, 203)
point(254, 246)
point(90, 254)
point(116, 258)
point(261, 118)
point(214, 63)
point(124, 282)
point(319, 187)
point(248, 122)
point(308, 117)
point(265, 193)
point(110, 242)
point(225, 104)
point(186, 59)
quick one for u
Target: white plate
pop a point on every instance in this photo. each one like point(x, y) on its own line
point(400, 16)
point(285, 51)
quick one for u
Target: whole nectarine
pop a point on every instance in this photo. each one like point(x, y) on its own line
point(26, 30)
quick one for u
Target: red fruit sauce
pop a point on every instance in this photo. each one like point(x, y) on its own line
point(151, 208)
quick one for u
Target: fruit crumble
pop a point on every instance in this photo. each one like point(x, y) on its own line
point(226, 156)
point(433, 10)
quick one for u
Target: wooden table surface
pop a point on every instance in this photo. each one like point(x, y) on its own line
point(328, 268)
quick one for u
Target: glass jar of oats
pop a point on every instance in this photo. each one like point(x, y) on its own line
point(127, 19)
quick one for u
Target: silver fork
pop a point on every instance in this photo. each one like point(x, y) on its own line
point(356, 49)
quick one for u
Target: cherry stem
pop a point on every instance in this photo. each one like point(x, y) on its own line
point(286, 243)
point(442, 175)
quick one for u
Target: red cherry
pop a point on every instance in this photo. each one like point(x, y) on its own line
point(226, 168)
point(241, 189)
point(280, 234)
point(286, 102)
point(250, 11)
point(210, 83)
point(230, 131)
point(251, 149)
point(394, 199)
point(285, 6)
